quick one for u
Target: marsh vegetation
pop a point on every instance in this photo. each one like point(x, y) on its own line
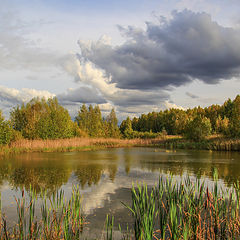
point(173, 209)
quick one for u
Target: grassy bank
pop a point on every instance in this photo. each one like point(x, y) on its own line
point(217, 143)
point(72, 144)
point(184, 209)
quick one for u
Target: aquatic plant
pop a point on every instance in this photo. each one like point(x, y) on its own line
point(186, 210)
point(59, 218)
point(173, 209)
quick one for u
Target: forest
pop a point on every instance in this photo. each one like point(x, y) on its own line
point(47, 119)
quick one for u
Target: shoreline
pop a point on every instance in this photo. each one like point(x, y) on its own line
point(71, 145)
point(92, 144)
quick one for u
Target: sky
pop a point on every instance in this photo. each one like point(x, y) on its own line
point(136, 56)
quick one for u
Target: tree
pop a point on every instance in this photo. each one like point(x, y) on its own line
point(55, 122)
point(198, 128)
point(6, 132)
point(82, 118)
point(135, 124)
point(42, 119)
point(222, 125)
point(96, 123)
point(112, 125)
point(235, 118)
point(90, 120)
point(126, 128)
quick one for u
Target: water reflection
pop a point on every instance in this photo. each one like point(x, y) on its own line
point(106, 176)
point(49, 171)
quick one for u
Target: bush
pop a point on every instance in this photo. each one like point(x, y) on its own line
point(144, 135)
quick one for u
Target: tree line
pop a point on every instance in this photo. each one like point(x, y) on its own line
point(47, 119)
point(195, 123)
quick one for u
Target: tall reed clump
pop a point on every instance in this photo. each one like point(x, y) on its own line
point(59, 218)
point(186, 210)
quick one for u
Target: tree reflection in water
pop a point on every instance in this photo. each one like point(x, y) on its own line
point(49, 171)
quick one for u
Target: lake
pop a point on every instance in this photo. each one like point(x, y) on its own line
point(106, 176)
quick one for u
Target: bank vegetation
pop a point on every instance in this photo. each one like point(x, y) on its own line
point(45, 125)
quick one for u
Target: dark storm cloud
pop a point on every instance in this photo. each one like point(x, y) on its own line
point(171, 53)
point(81, 95)
point(137, 98)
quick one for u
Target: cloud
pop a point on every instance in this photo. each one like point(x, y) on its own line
point(16, 50)
point(19, 50)
point(172, 105)
point(189, 46)
point(96, 196)
point(191, 95)
point(134, 77)
point(81, 95)
point(86, 72)
point(13, 95)
point(136, 98)
point(125, 101)
point(10, 97)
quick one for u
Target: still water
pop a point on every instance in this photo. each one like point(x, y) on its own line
point(106, 176)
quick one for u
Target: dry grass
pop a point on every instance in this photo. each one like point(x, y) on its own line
point(74, 144)
point(214, 142)
point(77, 142)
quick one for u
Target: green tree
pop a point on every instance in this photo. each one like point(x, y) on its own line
point(96, 123)
point(90, 120)
point(42, 119)
point(112, 125)
point(82, 118)
point(198, 128)
point(234, 127)
point(55, 122)
point(126, 128)
point(6, 132)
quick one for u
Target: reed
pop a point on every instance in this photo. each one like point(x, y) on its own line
point(172, 209)
point(109, 227)
point(59, 218)
point(186, 210)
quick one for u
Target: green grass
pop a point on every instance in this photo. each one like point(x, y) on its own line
point(59, 218)
point(216, 144)
point(185, 210)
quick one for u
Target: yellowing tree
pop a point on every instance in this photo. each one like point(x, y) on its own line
point(44, 119)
